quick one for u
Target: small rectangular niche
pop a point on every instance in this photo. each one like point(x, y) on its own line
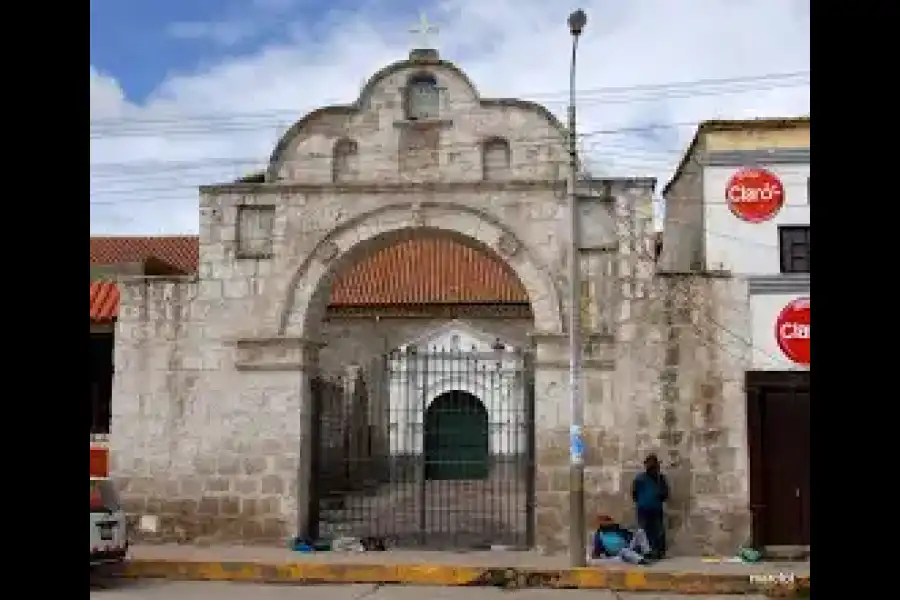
point(255, 226)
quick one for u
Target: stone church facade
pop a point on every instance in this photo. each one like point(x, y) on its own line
point(212, 420)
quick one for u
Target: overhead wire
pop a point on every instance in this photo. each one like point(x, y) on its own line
point(105, 127)
point(690, 86)
point(178, 173)
point(119, 172)
point(133, 172)
point(672, 220)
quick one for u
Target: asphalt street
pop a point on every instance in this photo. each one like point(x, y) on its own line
point(171, 590)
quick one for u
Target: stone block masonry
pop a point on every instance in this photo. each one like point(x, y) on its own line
point(213, 459)
point(211, 399)
point(690, 350)
point(668, 380)
point(217, 452)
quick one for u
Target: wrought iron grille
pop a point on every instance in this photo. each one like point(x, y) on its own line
point(430, 448)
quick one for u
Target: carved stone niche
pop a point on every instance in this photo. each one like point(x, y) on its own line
point(255, 227)
point(508, 246)
point(279, 353)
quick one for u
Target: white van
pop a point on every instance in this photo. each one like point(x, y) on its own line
point(109, 530)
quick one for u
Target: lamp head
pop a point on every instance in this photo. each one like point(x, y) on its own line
point(577, 21)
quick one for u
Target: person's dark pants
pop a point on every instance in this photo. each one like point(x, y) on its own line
point(653, 524)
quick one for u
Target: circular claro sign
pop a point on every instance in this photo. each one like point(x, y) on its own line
point(792, 330)
point(754, 195)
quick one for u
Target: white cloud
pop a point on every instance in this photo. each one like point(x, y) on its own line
point(107, 97)
point(222, 121)
point(223, 33)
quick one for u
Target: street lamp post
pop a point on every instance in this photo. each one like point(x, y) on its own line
point(577, 534)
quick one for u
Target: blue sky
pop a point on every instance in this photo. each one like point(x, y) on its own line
point(192, 92)
point(143, 41)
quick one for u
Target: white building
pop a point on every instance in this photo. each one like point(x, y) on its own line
point(457, 369)
point(773, 255)
point(738, 208)
point(739, 204)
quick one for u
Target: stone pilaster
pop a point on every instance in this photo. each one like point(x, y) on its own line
point(552, 422)
point(298, 356)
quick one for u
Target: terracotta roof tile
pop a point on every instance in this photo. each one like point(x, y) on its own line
point(416, 271)
point(180, 251)
point(104, 301)
point(427, 271)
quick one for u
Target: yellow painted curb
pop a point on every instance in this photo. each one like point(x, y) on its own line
point(300, 573)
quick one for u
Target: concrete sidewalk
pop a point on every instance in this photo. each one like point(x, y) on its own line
point(504, 569)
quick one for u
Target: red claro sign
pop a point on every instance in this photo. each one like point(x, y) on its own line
point(754, 195)
point(792, 330)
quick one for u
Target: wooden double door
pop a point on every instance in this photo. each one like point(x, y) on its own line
point(778, 409)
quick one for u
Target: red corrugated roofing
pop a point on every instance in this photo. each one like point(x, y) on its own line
point(416, 271)
point(180, 251)
point(427, 271)
point(104, 301)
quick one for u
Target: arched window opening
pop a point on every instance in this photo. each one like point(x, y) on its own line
point(343, 165)
point(423, 97)
point(495, 159)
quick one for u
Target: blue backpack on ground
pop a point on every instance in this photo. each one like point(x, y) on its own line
point(610, 541)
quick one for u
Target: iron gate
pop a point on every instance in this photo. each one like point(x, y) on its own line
point(426, 448)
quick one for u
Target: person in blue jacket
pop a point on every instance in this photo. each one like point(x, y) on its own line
point(650, 491)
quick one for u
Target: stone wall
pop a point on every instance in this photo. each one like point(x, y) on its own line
point(681, 379)
point(211, 401)
point(665, 357)
point(248, 396)
point(617, 276)
point(676, 390)
point(216, 451)
point(708, 351)
point(212, 453)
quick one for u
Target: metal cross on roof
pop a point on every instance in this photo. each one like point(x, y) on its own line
point(423, 28)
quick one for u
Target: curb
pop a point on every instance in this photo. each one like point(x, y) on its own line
point(299, 573)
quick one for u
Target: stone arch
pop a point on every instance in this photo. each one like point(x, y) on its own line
point(308, 290)
point(445, 385)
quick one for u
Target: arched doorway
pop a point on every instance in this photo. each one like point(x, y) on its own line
point(456, 438)
point(446, 472)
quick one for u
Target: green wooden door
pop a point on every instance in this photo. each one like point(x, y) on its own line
point(456, 438)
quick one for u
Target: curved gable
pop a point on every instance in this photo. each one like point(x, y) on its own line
point(379, 122)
